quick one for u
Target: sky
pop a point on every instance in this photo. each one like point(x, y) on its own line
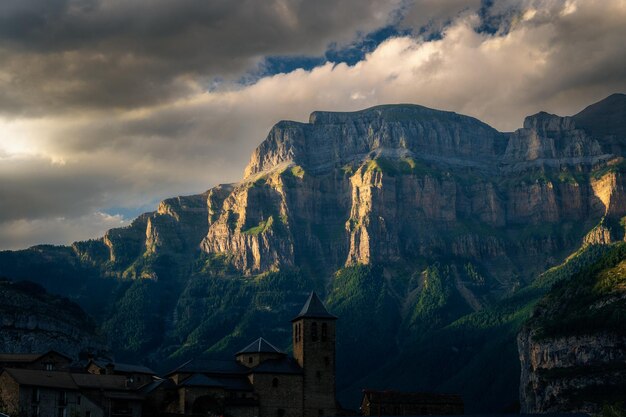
point(109, 106)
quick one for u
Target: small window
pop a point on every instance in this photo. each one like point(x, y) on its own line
point(320, 412)
point(280, 413)
point(78, 399)
point(61, 412)
point(87, 413)
point(63, 398)
point(35, 398)
point(314, 332)
point(249, 359)
point(318, 374)
point(326, 361)
point(275, 382)
point(49, 366)
point(297, 332)
point(324, 332)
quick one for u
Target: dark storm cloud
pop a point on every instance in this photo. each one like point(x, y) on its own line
point(67, 54)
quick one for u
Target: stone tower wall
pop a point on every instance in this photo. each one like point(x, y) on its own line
point(315, 352)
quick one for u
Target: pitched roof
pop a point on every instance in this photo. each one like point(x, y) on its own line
point(314, 308)
point(277, 366)
point(19, 357)
point(231, 383)
point(125, 367)
point(200, 380)
point(209, 366)
point(37, 378)
point(27, 357)
point(260, 346)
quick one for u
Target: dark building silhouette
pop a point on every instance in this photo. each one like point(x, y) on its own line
point(395, 403)
point(262, 380)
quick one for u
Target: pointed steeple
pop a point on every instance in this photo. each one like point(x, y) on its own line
point(314, 308)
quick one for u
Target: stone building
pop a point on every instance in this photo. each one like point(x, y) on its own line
point(396, 403)
point(262, 380)
point(42, 393)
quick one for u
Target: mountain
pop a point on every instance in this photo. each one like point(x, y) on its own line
point(35, 321)
point(426, 230)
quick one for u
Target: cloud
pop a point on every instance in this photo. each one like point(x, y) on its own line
point(546, 55)
point(19, 234)
point(76, 55)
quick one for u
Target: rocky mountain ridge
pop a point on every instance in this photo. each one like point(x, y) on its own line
point(384, 183)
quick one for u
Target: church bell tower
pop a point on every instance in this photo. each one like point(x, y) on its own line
point(314, 350)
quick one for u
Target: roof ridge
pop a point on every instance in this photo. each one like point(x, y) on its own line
point(260, 345)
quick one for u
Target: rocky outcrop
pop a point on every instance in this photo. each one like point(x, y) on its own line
point(573, 349)
point(32, 320)
point(562, 374)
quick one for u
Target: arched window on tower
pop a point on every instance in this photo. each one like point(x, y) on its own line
point(324, 332)
point(275, 382)
point(314, 332)
point(297, 332)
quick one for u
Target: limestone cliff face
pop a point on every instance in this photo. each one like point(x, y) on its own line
point(547, 137)
point(573, 348)
point(558, 374)
point(175, 229)
point(251, 227)
point(33, 321)
point(333, 139)
point(388, 183)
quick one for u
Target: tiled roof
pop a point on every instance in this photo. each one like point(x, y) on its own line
point(260, 346)
point(19, 357)
point(230, 383)
point(125, 368)
point(314, 308)
point(209, 366)
point(278, 366)
point(26, 357)
point(38, 378)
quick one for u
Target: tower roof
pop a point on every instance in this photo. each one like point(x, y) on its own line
point(314, 308)
point(260, 346)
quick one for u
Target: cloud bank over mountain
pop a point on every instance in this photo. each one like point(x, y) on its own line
point(107, 106)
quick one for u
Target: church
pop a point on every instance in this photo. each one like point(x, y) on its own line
point(262, 381)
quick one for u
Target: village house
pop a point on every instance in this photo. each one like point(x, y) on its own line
point(48, 361)
point(50, 385)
